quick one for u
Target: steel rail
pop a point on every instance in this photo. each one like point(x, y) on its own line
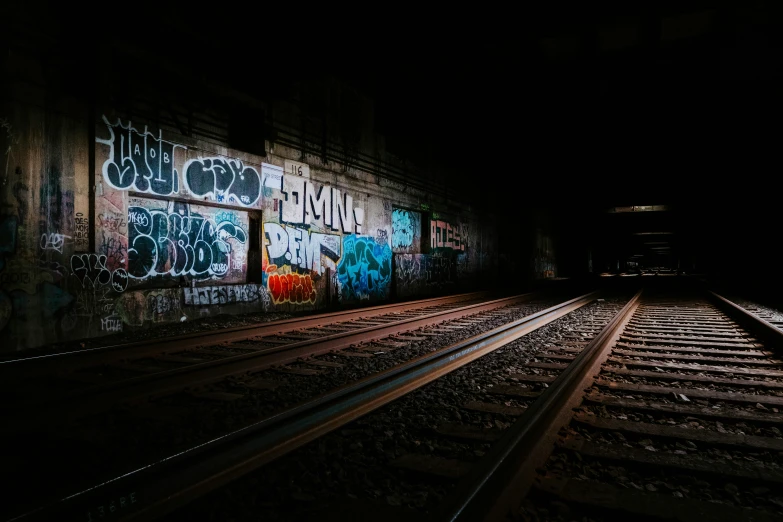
point(100, 354)
point(494, 489)
point(160, 487)
point(761, 328)
point(94, 399)
point(498, 483)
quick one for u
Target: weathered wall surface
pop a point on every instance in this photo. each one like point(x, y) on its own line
point(112, 222)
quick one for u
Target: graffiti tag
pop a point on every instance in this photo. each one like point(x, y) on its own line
point(139, 160)
point(223, 180)
point(300, 248)
point(217, 295)
point(365, 269)
point(402, 228)
point(290, 288)
point(179, 242)
point(91, 268)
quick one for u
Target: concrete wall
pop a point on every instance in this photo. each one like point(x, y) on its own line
point(112, 221)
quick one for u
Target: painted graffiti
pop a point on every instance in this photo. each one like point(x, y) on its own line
point(115, 248)
point(406, 231)
point(300, 248)
point(112, 323)
point(81, 231)
point(223, 180)
point(53, 241)
point(365, 269)
point(112, 222)
point(382, 236)
point(443, 235)
point(422, 274)
point(220, 295)
point(139, 161)
point(290, 288)
point(179, 241)
point(91, 268)
point(162, 304)
point(303, 204)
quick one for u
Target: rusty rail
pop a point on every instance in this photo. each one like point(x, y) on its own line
point(100, 397)
point(160, 487)
point(500, 481)
point(494, 489)
point(93, 356)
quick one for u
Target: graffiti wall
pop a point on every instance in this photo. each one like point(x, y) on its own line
point(166, 305)
point(139, 161)
point(310, 254)
point(168, 229)
point(146, 222)
point(43, 191)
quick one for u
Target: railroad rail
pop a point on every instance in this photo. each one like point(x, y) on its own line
point(364, 342)
point(671, 412)
point(66, 363)
point(239, 351)
point(660, 387)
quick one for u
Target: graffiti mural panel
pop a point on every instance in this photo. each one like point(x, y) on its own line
point(139, 161)
point(295, 259)
point(422, 274)
point(446, 235)
point(406, 231)
point(364, 271)
point(179, 239)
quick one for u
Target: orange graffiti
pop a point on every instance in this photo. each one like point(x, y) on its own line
point(291, 288)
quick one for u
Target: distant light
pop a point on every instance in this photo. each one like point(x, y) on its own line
point(652, 233)
point(640, 208)
point(656, 242)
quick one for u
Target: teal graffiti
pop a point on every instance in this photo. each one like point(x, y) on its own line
point(402, 229)
point(365, 271)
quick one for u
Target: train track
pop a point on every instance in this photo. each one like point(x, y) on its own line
point(448, 369)
point(661, 406)
point(673, 414)
point(251, 379)
point(113, 362)
point(664, 406)
point(103, 378)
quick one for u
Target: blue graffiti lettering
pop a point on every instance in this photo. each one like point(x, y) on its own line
point(364, 272)
point(402, 228)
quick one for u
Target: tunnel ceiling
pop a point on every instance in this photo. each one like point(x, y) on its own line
point(567, 107)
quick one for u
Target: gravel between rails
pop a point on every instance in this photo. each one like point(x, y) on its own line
point(704, 471)
point(352, 463)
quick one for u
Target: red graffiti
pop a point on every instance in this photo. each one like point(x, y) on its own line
point(291, 288)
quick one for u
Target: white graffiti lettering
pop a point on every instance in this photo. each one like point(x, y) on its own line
point(218, 295)
point(53, 242)
point(301, 248)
